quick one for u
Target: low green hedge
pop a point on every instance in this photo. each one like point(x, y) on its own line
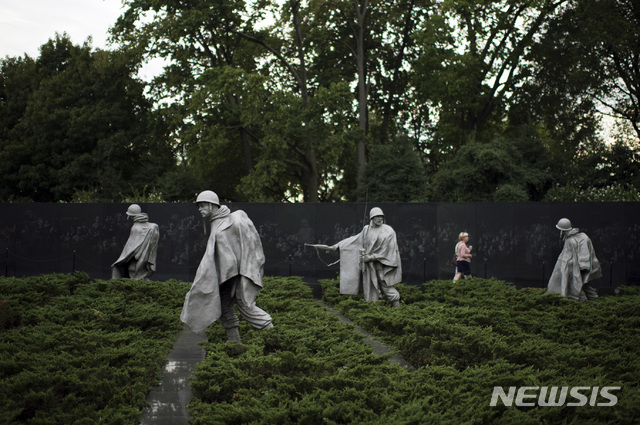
point(309, 369)
point(465, 339)
point(76, 351)
point(505, 336)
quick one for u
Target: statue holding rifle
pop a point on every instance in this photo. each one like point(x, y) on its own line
point(370, 261)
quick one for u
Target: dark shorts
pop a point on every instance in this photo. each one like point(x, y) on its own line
point(464, 267)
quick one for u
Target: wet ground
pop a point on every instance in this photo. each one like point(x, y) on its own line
point(168, 401)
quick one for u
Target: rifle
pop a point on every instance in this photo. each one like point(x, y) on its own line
point(318, 247)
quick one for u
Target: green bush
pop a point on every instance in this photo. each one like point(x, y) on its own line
point(86, 352)
point(509, 337)
point(465, 339)
point(310, 368)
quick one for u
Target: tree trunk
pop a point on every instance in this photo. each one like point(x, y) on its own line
point(406, 38)
point(360, 14)
point(247, 159)
point(310, 174)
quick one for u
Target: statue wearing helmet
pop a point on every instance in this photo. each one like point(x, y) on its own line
point(208, 196)
point(138, 258)
point(370, 261)
point(133, 210)
point(230, 271)
point(375, 212)
point(576, 266)
point(564, 225)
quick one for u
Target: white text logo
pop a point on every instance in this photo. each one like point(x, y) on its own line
point(554, 396)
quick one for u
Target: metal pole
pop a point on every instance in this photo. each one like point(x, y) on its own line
point(543, 271)
point(6, 264)
point(73, 269)
point(485, 268)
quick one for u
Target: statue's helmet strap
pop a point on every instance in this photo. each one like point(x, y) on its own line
point(208, 196)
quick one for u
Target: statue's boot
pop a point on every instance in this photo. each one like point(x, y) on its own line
point(395, 303)
point(233, 335)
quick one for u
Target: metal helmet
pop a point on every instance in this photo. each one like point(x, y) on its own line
point(564, 224)
point(375, 212)
point(134, 209)
point(208, 196)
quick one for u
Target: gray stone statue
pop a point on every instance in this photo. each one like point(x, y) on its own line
point(576, 267)
point(230, 271)
point(370, 261)
point(138, 258)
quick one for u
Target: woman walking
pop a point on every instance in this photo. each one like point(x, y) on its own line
point(463, 257)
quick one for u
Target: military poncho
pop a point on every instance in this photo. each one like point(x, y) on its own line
point(379, 242)
point(138, 257)
point(233, 249)
point(577, 265)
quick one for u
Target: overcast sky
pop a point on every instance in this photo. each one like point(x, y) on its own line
point(25, 25)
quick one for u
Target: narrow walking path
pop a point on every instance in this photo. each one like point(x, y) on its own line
point(378, 347)
point(168, 401)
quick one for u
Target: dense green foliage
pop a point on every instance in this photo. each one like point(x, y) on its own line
point(501, 170)
point(332, 100)
point(464, 338)
point(316, 100)
point(76, 351)
point(76, 125)
point(480, 333)
point(309, 368)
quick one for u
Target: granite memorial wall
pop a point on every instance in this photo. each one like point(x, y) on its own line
point(517, 242)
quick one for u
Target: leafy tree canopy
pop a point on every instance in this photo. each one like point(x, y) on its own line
point(332, 100)
point(76, 122)
point(501, 170)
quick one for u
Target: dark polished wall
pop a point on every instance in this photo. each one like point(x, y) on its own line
point(517, 242)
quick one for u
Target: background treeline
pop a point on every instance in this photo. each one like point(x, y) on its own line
point(332, 100)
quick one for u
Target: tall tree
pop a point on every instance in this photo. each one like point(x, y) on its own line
point(500, 170)
point(196, 37)
point(371, 45)
point(225, 54)
point(76, 121)
point(472, 60)
point(394, 173)
point(598, 41)
point(575, 78)
point(298, 49)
